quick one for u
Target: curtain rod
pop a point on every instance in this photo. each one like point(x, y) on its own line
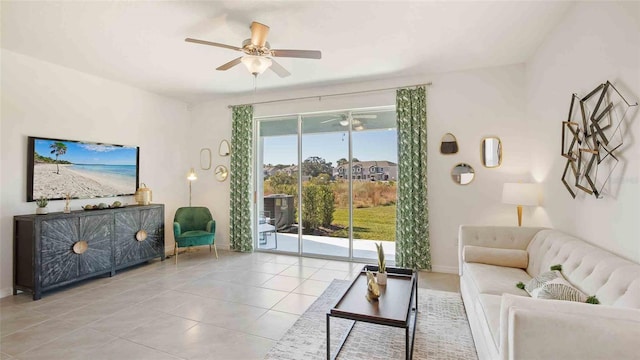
point(331, 95)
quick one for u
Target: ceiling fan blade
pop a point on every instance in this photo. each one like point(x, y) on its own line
point(330, 120)
point(230, 64)
point(203, 42)
point(365, 116)
point(306, 54)
point(259, 33)
point(278, 69)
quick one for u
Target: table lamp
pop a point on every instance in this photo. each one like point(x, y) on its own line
point(191, 176)
point(521, 195)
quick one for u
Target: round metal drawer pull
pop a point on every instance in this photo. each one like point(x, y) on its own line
point(80, 247)
point(141, 235)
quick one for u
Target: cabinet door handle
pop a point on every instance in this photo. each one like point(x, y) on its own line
point(80, 246)
point(141, 235)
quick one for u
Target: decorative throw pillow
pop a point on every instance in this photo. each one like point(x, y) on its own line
point(559, 289)
point(494, 256)
point(538, 281)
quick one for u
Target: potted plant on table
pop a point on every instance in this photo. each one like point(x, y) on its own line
point(42, 203)
point(382, 266)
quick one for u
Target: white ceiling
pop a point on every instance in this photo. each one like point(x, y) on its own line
point(141, 43)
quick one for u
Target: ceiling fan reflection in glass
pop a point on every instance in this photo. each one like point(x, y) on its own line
point(356, 120)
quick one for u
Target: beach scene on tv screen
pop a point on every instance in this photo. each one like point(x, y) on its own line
point(83, 170)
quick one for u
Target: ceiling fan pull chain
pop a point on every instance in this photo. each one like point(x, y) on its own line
point(255, 83)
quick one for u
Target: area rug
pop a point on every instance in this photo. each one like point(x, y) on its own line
point(442, 332)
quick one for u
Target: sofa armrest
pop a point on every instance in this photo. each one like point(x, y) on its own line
point(502, 237)
point(554, 329)
point(176, 230)
point(211, 226)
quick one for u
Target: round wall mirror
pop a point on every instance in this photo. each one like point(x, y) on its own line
point(224, 149)
point(448, 144)
point(491, 152)
point(221, 172)
point(462, 174)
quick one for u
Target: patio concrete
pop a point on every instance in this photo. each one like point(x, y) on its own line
point(330, 246)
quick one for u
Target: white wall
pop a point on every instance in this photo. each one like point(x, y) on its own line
point(46, 100)
point(596, 42)
point(470, 104)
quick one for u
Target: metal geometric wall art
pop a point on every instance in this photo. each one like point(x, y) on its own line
point(591, 136)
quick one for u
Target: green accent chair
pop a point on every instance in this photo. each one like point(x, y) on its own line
point(193, 226)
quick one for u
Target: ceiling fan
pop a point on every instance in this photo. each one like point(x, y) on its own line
point(355, 119)
point(258, 53)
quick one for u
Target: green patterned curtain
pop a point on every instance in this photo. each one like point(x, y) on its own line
point(412, 214)
point(240, 173)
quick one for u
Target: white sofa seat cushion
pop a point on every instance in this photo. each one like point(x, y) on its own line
point(496, 280)
point(502, 257)
point(491, 310)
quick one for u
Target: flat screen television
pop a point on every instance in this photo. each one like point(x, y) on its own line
point(82, 169)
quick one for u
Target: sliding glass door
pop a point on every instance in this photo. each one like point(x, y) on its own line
point(326, 184)
point(374, 182)
point(276, 218)
point(324, 140)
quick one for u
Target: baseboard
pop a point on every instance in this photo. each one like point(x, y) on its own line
point(6, 292)
point(444, 269)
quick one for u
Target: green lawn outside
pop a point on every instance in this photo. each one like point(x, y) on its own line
point(372, 223)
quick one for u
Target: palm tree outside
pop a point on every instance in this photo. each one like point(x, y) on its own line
point(59, 149)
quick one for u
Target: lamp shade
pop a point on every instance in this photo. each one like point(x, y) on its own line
point(520, 194)
point(256, 64)
point(192, 175)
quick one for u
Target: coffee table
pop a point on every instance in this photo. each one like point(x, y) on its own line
point(397, 305)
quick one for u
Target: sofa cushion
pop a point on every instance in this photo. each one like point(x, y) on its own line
point(496, 280)
point(491, 308)
point(493, 256)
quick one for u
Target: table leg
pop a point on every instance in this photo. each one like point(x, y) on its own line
point(407, 351)
point(328, 337)
point(341, 342)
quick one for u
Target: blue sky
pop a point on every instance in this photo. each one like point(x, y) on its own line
point(86, 153)
point(367, 146)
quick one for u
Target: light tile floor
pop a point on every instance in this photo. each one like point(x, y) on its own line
point(234, 307)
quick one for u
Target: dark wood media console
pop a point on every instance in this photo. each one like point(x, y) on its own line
point(58, 249)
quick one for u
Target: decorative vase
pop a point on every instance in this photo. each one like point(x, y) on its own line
point(42, 211)
point(143, 195)
point(381, 278)
point(67, 210)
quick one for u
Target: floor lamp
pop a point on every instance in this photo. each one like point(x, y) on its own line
point(521, 195)
point(191, 176)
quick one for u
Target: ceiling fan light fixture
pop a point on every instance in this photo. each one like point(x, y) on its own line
point(358, 128)
point(256, 64)
point(344, 122)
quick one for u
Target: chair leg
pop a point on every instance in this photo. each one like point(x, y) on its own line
point(209, 247)
point(216, 249)
point(175, 252)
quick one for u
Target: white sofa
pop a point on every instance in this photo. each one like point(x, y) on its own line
point(508, 324)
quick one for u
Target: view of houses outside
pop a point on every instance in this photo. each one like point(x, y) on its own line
point(326, 188)
point(374, 197)
point(309, 153)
